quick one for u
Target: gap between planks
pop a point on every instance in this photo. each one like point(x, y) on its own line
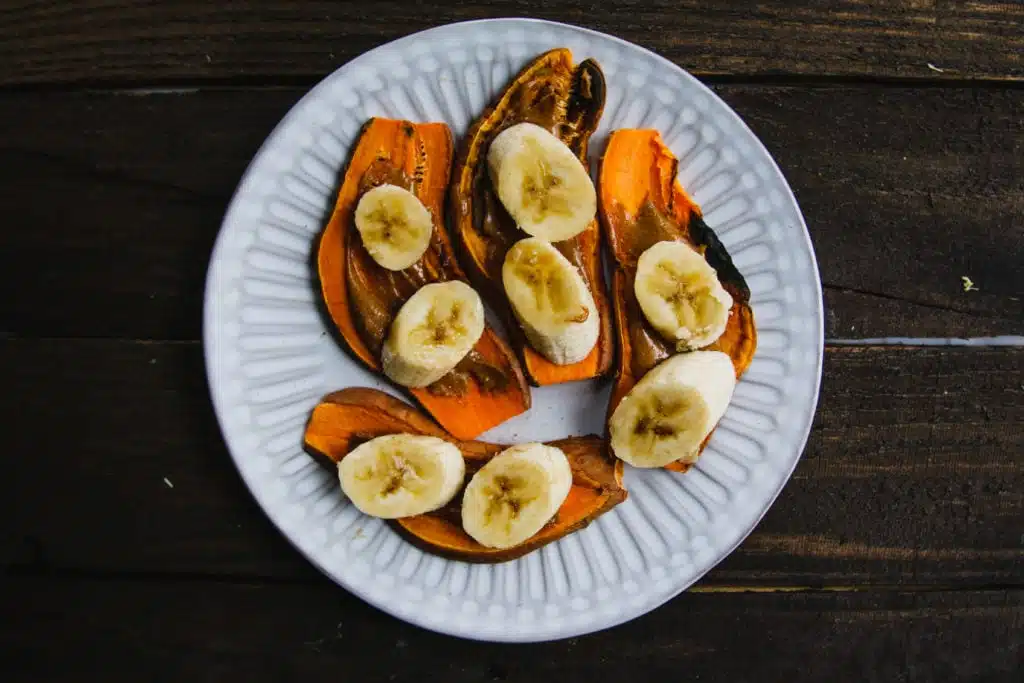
point(189, 87)
point(26, 571)
point(981, 342)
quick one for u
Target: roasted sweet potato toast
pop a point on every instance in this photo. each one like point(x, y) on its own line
point(362, 297)
point(347, 418)
point(567, 100)
point(641, 203)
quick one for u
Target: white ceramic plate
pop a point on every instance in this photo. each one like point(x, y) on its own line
point(269, 357)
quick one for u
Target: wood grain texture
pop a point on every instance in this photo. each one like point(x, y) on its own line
point(914, 473)
point(156, 631)
point(925, 447)
point(904, 193)
point(131, 550)
point(98, 41)
point(112, 203)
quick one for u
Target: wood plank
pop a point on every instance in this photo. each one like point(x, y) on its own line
point(71, 630)
point(133, 429)
point(903, 204)
point(112, 203)
point(914, 473)
point(99, 41)
point(119, 210)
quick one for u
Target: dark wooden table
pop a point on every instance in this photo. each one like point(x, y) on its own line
point(131, 549)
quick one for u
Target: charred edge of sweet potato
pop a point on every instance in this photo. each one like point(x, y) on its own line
point(718, 257)
point(585, 98)
point(660, 186)
point(404, 143)
point(739, 340)
point(347, 418)
point(586, 104)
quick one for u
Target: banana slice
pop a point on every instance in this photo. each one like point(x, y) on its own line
point(394, 225)
point(542, 184)
point(670, 412)
point(681, 296)
point(515, 494)
point(432, 332)
point(553, 304)
point(401, 475)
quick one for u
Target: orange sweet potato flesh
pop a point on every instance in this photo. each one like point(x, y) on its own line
point(642, 203)
point(362, 298)
point(567, 100)
point(349, 417)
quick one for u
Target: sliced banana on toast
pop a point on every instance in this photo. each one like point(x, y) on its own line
point(541, 183)
point(670, 412)
point(553, 304)
point(515, 494)
point(432, 332)
point(681, 295)
point(395, 226)
point(401, 475)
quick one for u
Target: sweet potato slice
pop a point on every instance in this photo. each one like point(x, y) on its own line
point(349, 417)
point(362, 298)
point(567, 100)
point(641, 203)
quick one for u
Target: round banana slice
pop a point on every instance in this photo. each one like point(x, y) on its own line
point(432, 332)
point(515, 494)
point(394, 225)
point(670, 412)
point(553, 304)
point(681, 296)
point(541, 183)
point(401, 475)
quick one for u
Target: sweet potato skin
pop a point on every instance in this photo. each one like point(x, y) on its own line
point(419, 156)
point(346, 418)
point(566, 99)
point(641, 202)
